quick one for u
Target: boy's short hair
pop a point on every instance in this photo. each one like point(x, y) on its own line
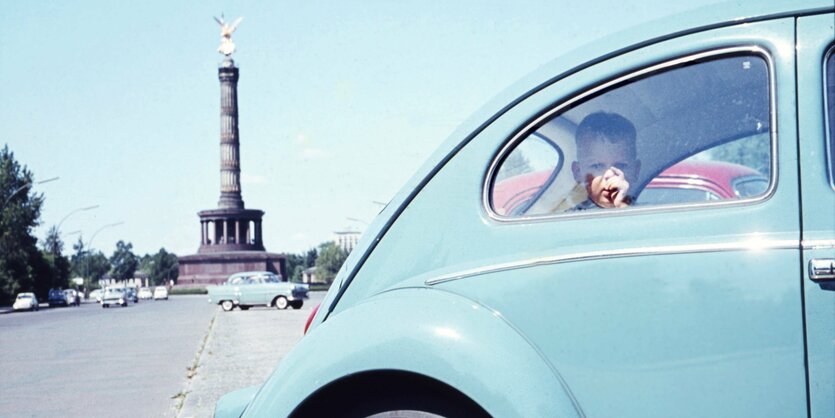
point(610, 126)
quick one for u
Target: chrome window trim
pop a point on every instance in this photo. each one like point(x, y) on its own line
point(818, 244)
point(530, 128)
point(751, 244)
point(827, 127)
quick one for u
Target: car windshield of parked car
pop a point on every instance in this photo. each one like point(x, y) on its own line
point(24, 297)
point(696, 130)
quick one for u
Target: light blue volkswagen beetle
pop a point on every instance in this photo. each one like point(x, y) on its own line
point(519, 273)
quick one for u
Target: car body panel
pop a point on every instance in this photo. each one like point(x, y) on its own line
point(633, 312)
point(450, 333)
point(232, 404)
point(816, 36)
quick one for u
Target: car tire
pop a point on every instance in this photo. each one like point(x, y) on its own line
point(280, 302)
point(297, 304)
point(227, 305)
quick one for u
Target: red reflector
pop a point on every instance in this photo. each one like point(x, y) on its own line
point(310, 318)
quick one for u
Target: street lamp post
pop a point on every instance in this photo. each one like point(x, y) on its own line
point(356, 220)
point(58, 228)
point(87, 264)
point(26, 185)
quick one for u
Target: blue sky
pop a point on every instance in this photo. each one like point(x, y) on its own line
point(339, 101)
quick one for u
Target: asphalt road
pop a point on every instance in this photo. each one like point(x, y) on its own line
point(88, 361)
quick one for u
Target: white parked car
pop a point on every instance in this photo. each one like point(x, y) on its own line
point(26, 301)
point(114, 296)
point(160, 292)
point(72, 297)
point(145, 293)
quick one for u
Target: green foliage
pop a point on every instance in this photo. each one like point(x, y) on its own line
point(92, 267)
point(53, 243)
point(293, 263)
point(160, 267)
point(123, 262)
point(54, 272)
point(514, 165)
point(19, 213)
point(297, 263)
point(329, 261)
point(188, 291)
point(752, 151)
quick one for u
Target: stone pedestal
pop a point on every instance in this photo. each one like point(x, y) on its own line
point(207, 269)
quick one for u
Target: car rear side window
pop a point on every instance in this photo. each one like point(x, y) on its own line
point(830, 111)
point(696, 130)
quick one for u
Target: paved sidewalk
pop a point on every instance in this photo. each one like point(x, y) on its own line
point(241, 349)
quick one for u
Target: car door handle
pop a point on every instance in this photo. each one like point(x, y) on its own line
point(822, 269)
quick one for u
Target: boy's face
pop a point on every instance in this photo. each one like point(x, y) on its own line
point(606, 169)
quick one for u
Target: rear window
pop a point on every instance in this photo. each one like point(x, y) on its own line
point(696, 130)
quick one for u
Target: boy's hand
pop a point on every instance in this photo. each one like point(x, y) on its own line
point(610, 189)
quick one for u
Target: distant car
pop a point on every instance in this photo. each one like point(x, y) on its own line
point(132, 294)
point(160, 292)
point(248, 289)
point(703, 181)
point(96, 295)
point(26, 301)
point(145, 293)
point(72, 297)
point(57, 297)
point(114, 296)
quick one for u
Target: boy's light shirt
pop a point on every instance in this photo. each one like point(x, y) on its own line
point(576, 196)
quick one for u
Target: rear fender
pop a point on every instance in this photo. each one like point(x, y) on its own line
point(428, 332)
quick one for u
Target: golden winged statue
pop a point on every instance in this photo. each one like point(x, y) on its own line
point(227, 47)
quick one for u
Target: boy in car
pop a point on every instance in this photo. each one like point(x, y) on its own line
point(607, 161)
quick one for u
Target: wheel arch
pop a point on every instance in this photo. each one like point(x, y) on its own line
point(374, 391)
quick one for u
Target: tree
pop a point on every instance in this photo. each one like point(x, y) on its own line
point(59, 266)
point(160, 267)
point(53, 243)
point(753, 151)
point(123, 262)
point(92, 267)
point(294, 264)
point(331, 257)
point(514, 165)
point(19, 213)
point(310, 258)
